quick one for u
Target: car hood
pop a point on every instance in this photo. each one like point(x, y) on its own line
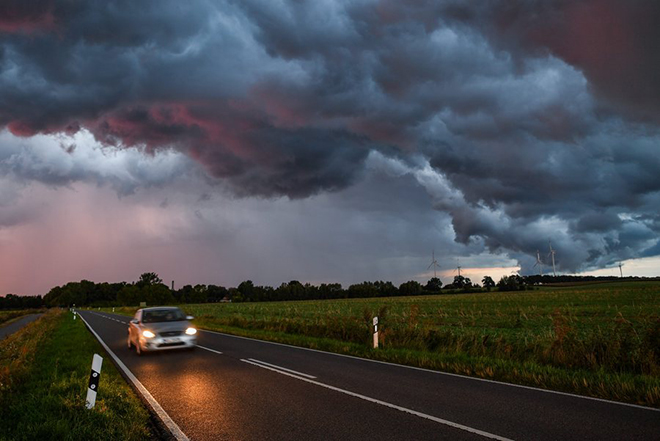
point(167, 326)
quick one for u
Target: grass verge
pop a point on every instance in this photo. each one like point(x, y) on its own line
point(44, 370)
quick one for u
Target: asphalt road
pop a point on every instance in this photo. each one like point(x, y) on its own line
point(18, 324)
point(232, 388)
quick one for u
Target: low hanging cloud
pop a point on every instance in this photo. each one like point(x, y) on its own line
point(525, 121)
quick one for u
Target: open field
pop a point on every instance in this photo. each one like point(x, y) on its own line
point(597, 340)
point(44, 369)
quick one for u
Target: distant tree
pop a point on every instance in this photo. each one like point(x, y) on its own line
point(129, 295)
point(386, 289)
point(362, 290)
point(330, 291)
point(199, 294)
point(185, 294)
point(433, 285)
point(216, 293)
point(246, 289)
point(157, 294)
point(57, 297)
point(236, 296)
point(488, 282)
point(410, 288)
point(147, 279)
point(294, 290)
point(13, 301)
point(511, 283)
point(461, 282)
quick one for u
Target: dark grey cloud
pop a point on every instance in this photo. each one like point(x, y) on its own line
point(524, 121)
point(598, 222)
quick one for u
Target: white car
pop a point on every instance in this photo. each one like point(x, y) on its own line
point(161, 328)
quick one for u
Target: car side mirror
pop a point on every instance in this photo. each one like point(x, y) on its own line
point(134, 321)
point(189, 317)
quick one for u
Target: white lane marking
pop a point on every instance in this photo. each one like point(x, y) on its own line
point(164, 417)
point(108, 317)
point(209, 349)
point(501, 383)
point(385, 403)
point(281, 368)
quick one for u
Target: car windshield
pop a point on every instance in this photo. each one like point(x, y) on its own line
point(162, 315)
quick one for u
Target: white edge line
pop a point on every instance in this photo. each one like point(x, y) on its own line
point(209, 349)
point(282, 368)
point(385, 403)
point(502, 383)
point(160, 412)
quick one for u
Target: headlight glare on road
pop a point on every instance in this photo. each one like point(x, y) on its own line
point(148, 334)
point(191, 331)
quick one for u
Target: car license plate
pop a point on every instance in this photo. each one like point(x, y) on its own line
point(171, 340)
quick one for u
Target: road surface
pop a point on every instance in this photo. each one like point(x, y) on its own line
point(18, 324)
point(233, 388)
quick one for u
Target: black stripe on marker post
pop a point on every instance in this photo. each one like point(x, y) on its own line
point(94, 380)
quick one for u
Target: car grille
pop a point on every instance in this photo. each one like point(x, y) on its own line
point(170, 334)
point(167, 345)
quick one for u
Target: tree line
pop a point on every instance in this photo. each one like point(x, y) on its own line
point(151, 290)
point(12, 301)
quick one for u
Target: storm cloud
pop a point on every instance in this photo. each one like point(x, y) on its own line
point(523, 121)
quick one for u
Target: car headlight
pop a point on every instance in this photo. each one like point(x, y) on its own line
point(148, 334)
point(191, 331)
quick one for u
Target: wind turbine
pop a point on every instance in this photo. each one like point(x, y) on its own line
point(458, 267)
point(552, 254)
point(434, 264)
point(539, 263)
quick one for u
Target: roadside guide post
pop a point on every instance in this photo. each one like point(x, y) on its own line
point(93, 386)
point(375, 332)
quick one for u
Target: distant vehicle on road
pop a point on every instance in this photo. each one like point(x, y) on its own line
point(161, 328)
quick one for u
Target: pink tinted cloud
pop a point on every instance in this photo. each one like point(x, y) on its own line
point(616, 45)
point(22, 128)
point(18, 16)
point(209, 131)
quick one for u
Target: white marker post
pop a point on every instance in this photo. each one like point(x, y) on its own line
point(74, 314)
point(375, 332)
point(94, 377)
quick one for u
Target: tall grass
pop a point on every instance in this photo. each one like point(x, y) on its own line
point(44, 372)
point(17, 353)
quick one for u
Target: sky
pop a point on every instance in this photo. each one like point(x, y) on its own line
point(326, 141)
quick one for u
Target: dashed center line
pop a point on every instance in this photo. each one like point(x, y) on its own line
point(281, 368)
point(209, 349)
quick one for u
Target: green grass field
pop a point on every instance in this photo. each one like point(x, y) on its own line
point(44, 370)
point(601, 340)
